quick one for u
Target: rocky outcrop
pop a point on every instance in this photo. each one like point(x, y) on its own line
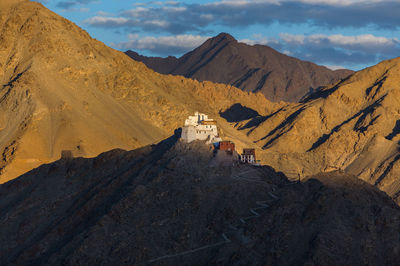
point(257, 68)
point(155, 206)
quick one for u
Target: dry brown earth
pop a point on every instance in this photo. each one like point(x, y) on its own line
point(352, 126)
point(62, 90)
point(155, 206)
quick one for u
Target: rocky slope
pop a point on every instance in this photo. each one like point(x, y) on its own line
point(62, 90)
point(255, 68)
point(352, 126)
point(153, 206)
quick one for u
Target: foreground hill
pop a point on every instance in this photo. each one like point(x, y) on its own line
point(154, 206)
point(255, 68)
point(62, 90)
point(353, 126)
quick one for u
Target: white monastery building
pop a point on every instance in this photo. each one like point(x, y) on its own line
point(200, 127)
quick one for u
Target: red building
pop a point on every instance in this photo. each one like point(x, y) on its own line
point(226, 146)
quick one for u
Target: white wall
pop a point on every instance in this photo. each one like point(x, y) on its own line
point(189, 133)
point(193, 130)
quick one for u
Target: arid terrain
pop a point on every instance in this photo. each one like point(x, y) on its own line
point(361, 139)
point(257, 68)
point(129, 191)
point(87, 98)
point(154, 206)
point(63, 90)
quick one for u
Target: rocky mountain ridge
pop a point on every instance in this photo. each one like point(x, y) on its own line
point(63, 90)
point(169, 203)
point(352, 126)
point(257, 68)
point(153, 206)
point(86, 98)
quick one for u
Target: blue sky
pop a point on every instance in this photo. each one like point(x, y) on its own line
point(352, 34)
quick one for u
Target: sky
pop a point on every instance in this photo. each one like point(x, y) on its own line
point(351, 34)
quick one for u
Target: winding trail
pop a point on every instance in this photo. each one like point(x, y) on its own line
point(236, 230)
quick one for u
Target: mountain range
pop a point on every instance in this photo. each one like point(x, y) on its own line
point(352, 126)
point(86, 98)
point(64, 91)
point(252, 68)
point(127, 190)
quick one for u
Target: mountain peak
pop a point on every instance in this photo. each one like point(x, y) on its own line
point(224, 36)
point(258, 68)
point(59, 85)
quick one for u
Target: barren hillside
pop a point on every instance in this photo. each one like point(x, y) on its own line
point(352, 126)
point(154, 206)
point(62, 90)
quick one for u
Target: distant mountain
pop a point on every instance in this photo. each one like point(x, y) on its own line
point(61, 90)
point(257, 68)
point(353, 126)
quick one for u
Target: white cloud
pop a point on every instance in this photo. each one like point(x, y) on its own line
point(164, 45)
point(99, 20)
point(338, 2)
point(174, 9)
point(333, 51)
point(337, 50)
point(239, 3)
point(252, 42)
point(172, 3)
point(293, 38)
point(132, 36)
point(197, 18)
point(287, 52)
point(207, 16)
point(103, 14)
point(334, 67)
point(74, 9)
point(259, 39)
point(365, 40)
point(137, 12)
point(279, 2)
point(158, 23)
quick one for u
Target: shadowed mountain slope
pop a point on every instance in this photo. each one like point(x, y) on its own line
point(255, 68)
point(62, 90)
point(153, 206)
point(352, 126)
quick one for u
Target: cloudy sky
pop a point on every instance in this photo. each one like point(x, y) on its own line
point(352, 34)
